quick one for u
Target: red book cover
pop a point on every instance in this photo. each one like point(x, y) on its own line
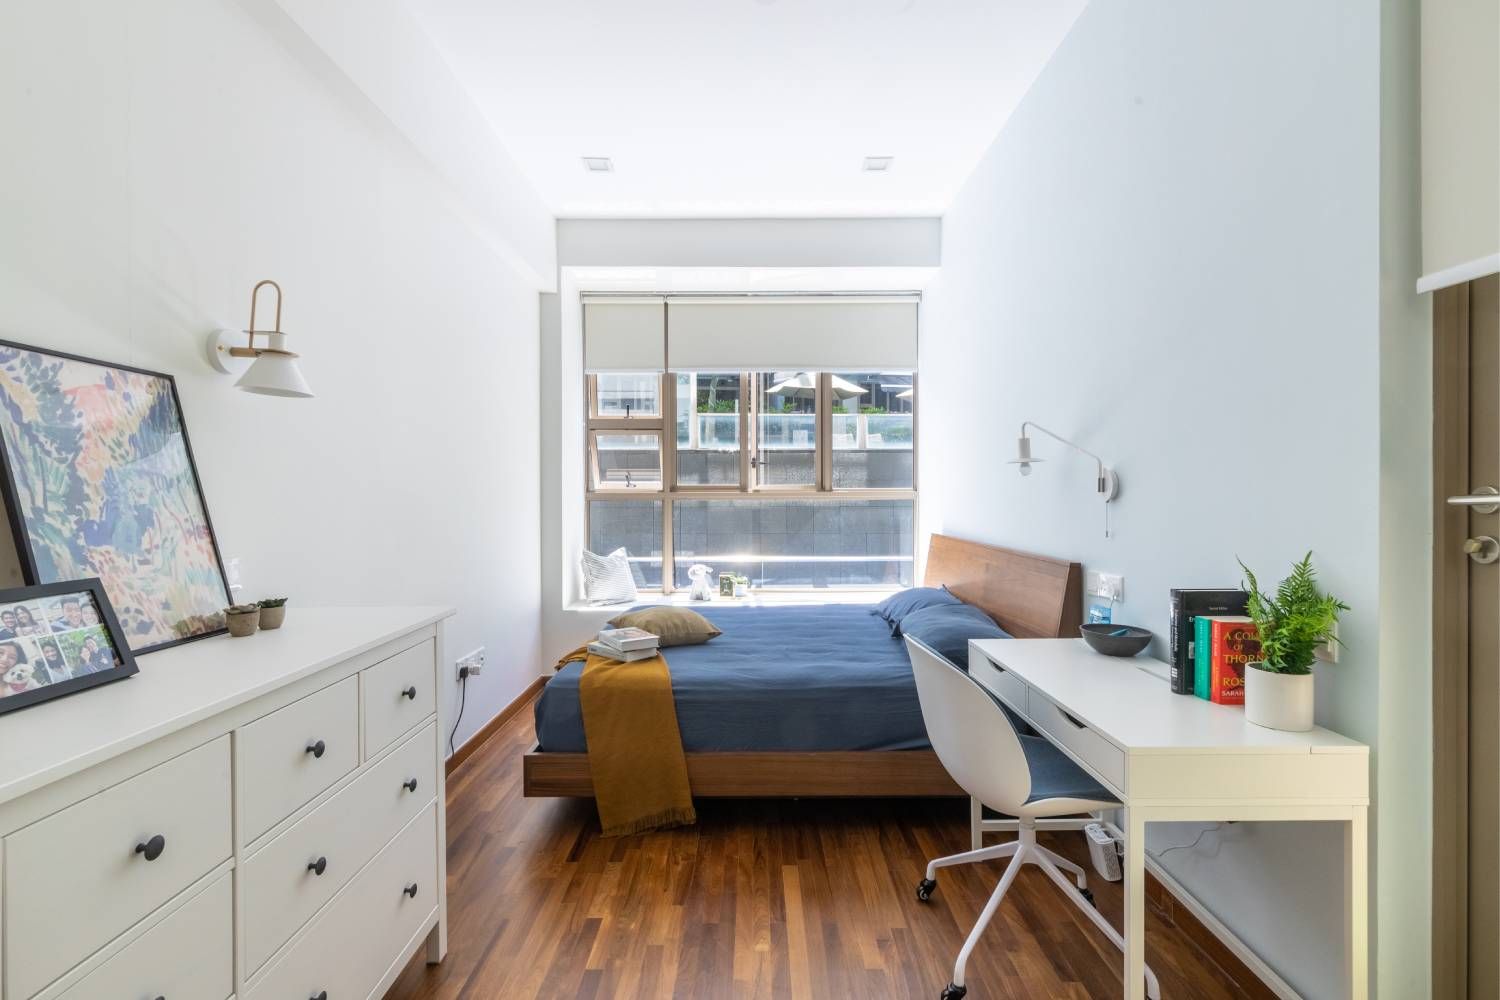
point(1233, 642)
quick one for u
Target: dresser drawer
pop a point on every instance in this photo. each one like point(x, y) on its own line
point(278, 890)
point(284, 760)
point(1006, 686)
point(364, 931)
point(1107, 760)
point(397, 694)
point(80, 877)
point(189, 955)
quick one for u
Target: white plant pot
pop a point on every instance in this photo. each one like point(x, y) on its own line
point(1278, 701)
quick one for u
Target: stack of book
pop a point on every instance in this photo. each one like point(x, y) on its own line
point(625, 644)
point(1187, 605)
point(1222, 647)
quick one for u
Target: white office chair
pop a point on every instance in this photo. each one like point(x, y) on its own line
point(1025, 777)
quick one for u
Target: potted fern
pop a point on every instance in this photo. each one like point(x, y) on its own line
point(1292, 623)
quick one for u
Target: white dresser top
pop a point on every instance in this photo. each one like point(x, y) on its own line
point(183, 685)
point(1129, 701)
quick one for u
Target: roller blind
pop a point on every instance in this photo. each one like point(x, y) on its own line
point(1460, 142)
point(801, 334)
point(624, 335)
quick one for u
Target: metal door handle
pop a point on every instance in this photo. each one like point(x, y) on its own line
point(1484, 500)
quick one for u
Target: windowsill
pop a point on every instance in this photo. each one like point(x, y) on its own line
point(757, 599)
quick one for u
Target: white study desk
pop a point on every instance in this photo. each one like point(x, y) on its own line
point(1176, 758)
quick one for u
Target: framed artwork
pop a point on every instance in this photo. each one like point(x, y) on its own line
point(58, 638)
point(99, 482)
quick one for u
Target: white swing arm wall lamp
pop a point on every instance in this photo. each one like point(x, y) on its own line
point(1107, 483)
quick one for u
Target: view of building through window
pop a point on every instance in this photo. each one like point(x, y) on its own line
point(790, 478)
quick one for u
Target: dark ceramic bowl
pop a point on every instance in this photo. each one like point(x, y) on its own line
point(1102, 638)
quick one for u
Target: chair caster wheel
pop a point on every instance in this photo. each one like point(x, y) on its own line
point(951, 992)
point(925, 889)
point(1088, 895)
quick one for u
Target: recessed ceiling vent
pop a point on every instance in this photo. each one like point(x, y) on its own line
point(598, 164)
point(878, 164)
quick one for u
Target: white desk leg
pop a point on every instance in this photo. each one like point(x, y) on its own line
point(976, 824)
point(1135, 904)
point(1357, 903)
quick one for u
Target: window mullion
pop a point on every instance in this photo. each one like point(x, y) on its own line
point(749, 408)
point(823, 431)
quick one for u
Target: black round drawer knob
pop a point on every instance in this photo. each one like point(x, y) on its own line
point(410, 694)
point(410, 784)
point(321, 995)
point(318, 867)
point(151, 849)
point(317, 749)
point(411, 890)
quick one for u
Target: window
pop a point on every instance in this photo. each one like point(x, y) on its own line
point(635, 526)
point(797, 543)
point(626, 394)
point(708, 428)
point(798, 477)
point(872, 430)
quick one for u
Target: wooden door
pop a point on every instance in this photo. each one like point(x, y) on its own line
point(1466, 642)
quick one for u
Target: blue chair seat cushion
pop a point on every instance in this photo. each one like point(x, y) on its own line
point(1055, 776)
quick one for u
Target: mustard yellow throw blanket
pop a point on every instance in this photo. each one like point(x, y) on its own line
point(635, 748)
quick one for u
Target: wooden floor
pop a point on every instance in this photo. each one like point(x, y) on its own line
point(760, 899)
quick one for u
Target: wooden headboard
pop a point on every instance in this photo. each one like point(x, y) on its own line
point(1031, 597)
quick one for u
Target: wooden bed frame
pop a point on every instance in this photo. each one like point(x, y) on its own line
point(1029, 596)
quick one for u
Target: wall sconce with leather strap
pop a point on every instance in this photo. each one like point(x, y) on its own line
point(266, 367)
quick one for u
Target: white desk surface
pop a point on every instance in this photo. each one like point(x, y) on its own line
point(178, 687)
point(1129, 702)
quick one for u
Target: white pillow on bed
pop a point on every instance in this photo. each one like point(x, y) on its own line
point(607, 579)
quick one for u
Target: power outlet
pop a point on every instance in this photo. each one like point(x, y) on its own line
point(473, 662)
point(1107, 585)
point(1329, 651)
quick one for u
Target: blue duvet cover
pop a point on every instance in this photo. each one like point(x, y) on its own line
point(819, 677)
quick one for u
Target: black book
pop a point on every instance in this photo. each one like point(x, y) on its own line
point(1187, 605)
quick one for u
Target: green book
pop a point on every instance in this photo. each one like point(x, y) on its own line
point(1202, 650)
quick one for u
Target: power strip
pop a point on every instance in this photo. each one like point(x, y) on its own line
point(1105, 852)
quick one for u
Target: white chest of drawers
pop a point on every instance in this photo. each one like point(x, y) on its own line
point(245, 818)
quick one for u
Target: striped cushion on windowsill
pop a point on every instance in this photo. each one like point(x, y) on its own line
point(607, 579)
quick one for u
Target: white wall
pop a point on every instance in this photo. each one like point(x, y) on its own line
point(163, 155)
point(1172, 253)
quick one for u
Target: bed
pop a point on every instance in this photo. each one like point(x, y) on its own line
point(814, 700)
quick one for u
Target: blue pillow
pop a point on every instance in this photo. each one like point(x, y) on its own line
point(898, 606)
point(947, 629)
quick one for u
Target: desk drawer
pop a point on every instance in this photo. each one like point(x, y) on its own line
point(1107, 760)
point(287, 758)
point(397, 694)
point(356, 939)
point(1006, 686)
point(278, 891)
point(75, 880)
point(189, 954)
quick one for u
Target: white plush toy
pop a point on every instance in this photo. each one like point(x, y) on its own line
point(20, 678)
point(699, 574)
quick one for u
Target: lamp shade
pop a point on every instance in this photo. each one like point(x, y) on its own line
point(275, 375)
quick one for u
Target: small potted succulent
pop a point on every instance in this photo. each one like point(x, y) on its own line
point(1292, 623)
point(243, 619)
point(272, 612)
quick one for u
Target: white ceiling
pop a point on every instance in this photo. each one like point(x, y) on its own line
point(731, 108)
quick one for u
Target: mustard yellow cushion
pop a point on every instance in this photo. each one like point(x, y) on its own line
point(674, 626)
